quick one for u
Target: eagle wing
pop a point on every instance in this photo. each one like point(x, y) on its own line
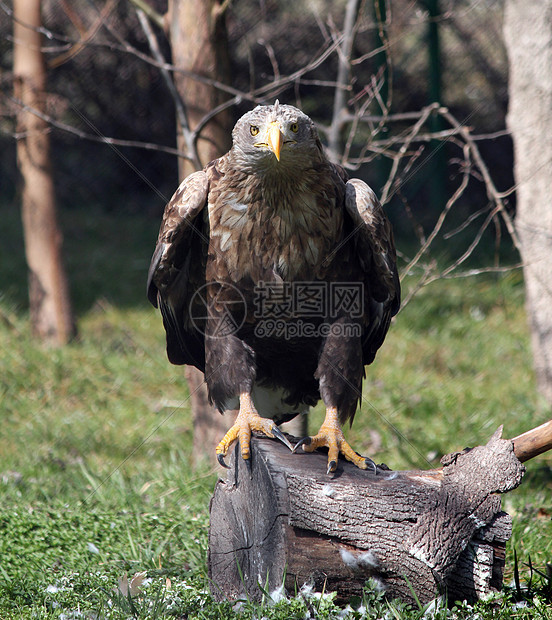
point(375, 249)
point(177, 269)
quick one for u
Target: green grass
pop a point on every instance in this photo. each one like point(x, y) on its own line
point(96, 481)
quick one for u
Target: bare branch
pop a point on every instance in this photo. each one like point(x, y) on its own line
point(84, 36)
point(261, 94)
point(91, 137)
point(426, 112)
point(343, 76)
point(492, 192)
point(440, 221)
point(473, 244)
point(157, 18)
point(189, 136)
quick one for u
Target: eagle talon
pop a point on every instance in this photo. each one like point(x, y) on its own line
point(331, 436)
point(306, 441)
point(370, 465)
point(248, 421)
point(220, 459)
point(279, 435)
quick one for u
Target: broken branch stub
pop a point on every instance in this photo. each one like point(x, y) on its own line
point(533, 442)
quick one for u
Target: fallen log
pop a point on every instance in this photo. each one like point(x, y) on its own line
point(281, 519)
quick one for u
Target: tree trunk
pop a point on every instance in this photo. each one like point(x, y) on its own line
point(210, 425)
point(282, 519)
point(199, 45)
point(50, 307)
point(528, 35)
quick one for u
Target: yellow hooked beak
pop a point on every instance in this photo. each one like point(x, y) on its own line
point(275, 138)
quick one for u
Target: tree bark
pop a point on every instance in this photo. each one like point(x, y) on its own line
point(50, 308)
point(210, 425)
point(284, 520)
point(528, 36)
point(199, 45)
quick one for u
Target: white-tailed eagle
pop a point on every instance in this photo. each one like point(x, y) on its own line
point(276, 276)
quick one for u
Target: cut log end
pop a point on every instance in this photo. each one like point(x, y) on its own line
point(285, 520)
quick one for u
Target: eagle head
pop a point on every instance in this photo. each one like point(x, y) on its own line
point(276, 138)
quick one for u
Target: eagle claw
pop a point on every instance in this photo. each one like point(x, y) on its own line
point(279, 435)
point(306, 441)
point(220, 459)
point(370, 465)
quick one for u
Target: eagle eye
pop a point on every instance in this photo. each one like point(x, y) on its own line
point(254, 130)
point(294, 127)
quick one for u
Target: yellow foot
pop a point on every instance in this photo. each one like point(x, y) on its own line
point(248, 420)
point(331, 436)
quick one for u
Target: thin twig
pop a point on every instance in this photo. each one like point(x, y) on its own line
point(157, 18)
point(492, 192)
point(84, 37)
point(343, 71)
point(426, 112)
point(88, 136)
point(473, 244)
point(188, 135)
point(440, 221)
